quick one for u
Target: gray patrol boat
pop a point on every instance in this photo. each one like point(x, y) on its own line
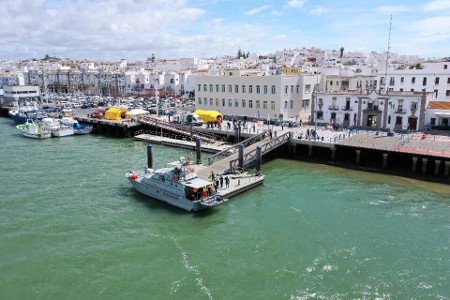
point(176, 184)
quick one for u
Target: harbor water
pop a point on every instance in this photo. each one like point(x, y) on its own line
point(71, 227)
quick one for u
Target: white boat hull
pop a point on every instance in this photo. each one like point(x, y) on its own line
point(63, 132)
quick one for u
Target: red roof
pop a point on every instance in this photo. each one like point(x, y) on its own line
point(438, 105)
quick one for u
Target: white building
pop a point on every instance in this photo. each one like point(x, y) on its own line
point(242, 93)
point(393, 111)
point(437, 114)
point(14, 93)
point(433, 77)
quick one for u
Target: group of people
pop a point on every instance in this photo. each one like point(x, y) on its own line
point(218, 181)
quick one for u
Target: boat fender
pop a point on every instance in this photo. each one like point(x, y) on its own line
point(133, 176)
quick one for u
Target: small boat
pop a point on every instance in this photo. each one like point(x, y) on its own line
point(80, 128)
point(33, 130)
point(63, 130)
point(178, 185)
point(50, 124)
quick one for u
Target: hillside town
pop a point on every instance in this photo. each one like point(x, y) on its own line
point(380, 91)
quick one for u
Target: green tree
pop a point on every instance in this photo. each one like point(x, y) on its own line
point(239, 53)
point(341, 52)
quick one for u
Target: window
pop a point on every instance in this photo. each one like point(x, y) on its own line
point(436, 80)
point(230, 88)
point(320, 115)
point(286, 89)
point(210, 87)
point(217, 88)
point(402, 79)
point(389, 120)
point(305, 103)
point(264, 104)
point(292, 89)
point(423, 90)
point(250, 89)
point(258, 89)
point(258, 104)
point(250, 103)
point(199, 100)
point(243, 103)
point(273, 90)
point(243, 89)
point(199, 87)
point(400, 104)
point(223, 88)
point(205, 88)
point(272, 105)
point(401, 90)
point(445, 67)
point(230, 103)
point(285, 105)
point(236, 103)
point(448, 80)
point(292, 104)
point(412, 90)
point(424, 82)
point(265, 89)
point(398, 120)
point(413, 105)
point(236, 88)
point(447, 93)
point(307, 88)
point(433, 121)
point(211, 101)
point(413, 80)
point(347, 117)
point(436, 93)
point(223, 102)
point(391, 81)
point(297, 89)
point(217, 102)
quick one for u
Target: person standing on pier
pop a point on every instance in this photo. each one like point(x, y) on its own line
point(227, 182)
point(221, 181)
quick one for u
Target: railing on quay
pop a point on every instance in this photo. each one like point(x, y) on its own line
point(233, 149)
point(265, 148)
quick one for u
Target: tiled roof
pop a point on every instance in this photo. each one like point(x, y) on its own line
point(438, 105)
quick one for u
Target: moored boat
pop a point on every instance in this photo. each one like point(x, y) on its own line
point(178, 185)
point(80, 128)
point(33, 130)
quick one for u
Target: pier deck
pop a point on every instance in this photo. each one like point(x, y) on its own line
point(206, 147)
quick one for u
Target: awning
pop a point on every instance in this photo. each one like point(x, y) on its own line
point(442, 113)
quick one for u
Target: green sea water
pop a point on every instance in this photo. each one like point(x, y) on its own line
point(71, 227)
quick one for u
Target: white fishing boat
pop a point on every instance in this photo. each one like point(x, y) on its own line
point(33, 130)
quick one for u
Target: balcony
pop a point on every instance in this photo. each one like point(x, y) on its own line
point(400, 111)
point(333, 107)
point(347, 108)
point(373, 108)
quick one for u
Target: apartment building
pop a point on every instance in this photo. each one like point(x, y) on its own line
point(392, 111)
point(348, 83)
point(250, 95)
point(431, 77)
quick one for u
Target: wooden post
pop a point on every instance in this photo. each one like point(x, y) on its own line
point(424, 165)
point(149, 156)
point(437, 164)
point(258, 160)
point(414, 164)
point(358, 156)
point(198, 150)
point(241, 156)
point(385, 159)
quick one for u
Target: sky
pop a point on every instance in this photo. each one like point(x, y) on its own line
point(136, 29)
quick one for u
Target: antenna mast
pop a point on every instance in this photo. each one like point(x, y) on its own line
point(387, 54)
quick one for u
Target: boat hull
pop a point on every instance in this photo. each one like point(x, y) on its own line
point(164, 195)
point(63, 132)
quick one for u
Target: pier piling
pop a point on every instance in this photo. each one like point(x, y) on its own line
point(424, 165)
point(446, 169)
point(414, 164)
point(198, 149)
point(241, 156)
point(358, 156)
point(258, 160)
point(437, 164)
point(385, 160)
point(149, 156)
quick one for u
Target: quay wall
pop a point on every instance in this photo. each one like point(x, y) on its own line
point(422, 167)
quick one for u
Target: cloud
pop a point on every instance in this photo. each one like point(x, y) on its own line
point(432, 29)
point(276, 13)
point(256, 10)
point(391, 9)
point(437, 5)
point(318, 10)
point(296, 3)
point(279, 37)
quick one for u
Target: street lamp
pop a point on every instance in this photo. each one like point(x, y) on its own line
point(392, 106)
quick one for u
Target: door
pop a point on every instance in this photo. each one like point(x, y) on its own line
point(412, 123)
point(372, 121)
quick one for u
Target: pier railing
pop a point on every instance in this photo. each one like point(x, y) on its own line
point(233, 149)
point(265, 148)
